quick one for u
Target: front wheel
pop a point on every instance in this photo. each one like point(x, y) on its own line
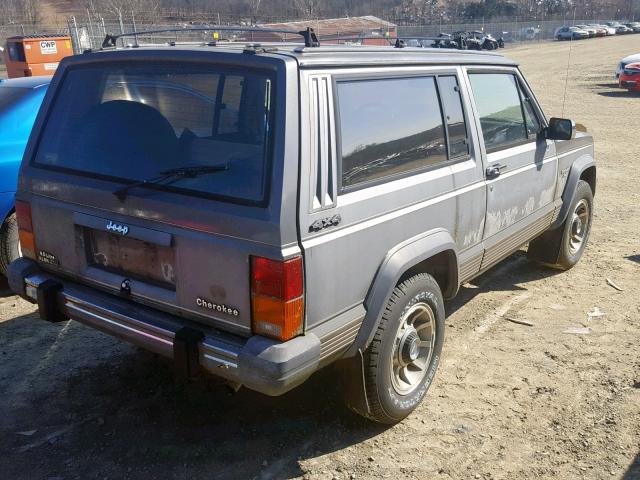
point(403, 357)
point(566, 244)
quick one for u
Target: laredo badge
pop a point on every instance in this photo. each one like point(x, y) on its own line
point(48, 258)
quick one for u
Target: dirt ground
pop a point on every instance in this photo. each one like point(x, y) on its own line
point(510, 401)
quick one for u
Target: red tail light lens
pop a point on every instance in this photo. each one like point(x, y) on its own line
point(281, 280)
point(25, 229)
point(277, 297)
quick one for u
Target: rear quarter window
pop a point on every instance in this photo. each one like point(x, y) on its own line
point(389, 128)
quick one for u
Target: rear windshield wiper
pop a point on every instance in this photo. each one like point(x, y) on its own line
point(176, 173)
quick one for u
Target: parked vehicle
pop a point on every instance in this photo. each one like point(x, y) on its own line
point(215, 218)
point(485, 40)
point(635, 26)
point(610, 30)
point(530, 33)
point(20, 100)
point(506, 37)
point(571, 33)
point(447, 40)
point(626, 61)
point(600, 30)
point(630, 77)
point(620, 29)
point(590, 30)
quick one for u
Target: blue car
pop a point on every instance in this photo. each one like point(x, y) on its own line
point(20, 100)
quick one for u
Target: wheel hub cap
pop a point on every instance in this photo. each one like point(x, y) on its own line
point(410, 350)
point(413, 349)
point(579, 224)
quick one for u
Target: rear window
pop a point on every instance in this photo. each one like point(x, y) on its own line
point(129, 123)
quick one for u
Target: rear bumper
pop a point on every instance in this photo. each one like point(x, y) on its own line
point(261, 364)
point(630, 84)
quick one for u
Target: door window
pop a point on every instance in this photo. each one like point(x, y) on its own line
point(530, 117)
point(501, 114)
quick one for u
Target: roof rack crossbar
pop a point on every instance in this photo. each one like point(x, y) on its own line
point(308, 34)
point(392, 40)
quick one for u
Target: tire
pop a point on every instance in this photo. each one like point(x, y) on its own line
point(397, 370)
point(563, 247)
point(9, 243)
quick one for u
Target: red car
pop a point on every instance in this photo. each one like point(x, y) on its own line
point(630, 77)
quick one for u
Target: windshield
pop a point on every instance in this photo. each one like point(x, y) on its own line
point(129, 122)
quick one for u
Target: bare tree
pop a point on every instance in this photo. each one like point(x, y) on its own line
point(255, 6)
point(308, 8)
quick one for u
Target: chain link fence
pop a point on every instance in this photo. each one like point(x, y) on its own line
point(88, 31)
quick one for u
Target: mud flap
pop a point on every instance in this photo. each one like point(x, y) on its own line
point(185, 353)
point(47, 299)
point(546, 248)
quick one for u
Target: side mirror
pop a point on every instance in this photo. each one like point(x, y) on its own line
point(559, 129)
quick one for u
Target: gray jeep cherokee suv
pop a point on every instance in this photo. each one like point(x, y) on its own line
point(260, 213)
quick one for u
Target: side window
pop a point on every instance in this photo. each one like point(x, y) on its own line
point(454, 116)
point(501, 115)
point(388, 128)
point(530, 117)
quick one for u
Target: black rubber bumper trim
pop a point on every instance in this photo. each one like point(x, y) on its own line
point(47, 299)
point(185, 352)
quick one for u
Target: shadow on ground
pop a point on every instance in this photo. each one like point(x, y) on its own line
point(128, 416)
point(5, 291)
point(620, 94)
point(633, 258)
point(509, 275)
point(633, 473)
point(608, 85)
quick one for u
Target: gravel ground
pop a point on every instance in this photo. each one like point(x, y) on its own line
point(510, 400)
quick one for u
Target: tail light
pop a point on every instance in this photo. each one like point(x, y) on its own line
point(277, 297)
point(25, 229)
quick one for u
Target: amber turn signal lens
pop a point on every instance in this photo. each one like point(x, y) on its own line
point(277, 319)
point(25, 229)
point(277, 297)
point(27, 244)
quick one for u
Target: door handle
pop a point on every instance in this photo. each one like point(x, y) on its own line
point(494, 171)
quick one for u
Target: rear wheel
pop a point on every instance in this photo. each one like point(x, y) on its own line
point(403, 357)
point(9, 243)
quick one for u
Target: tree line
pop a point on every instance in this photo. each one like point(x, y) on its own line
point(397, 11)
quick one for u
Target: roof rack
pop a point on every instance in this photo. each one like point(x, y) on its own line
point(308, 34)
point(395, 41)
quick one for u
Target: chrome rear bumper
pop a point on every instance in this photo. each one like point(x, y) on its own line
point(259, 363)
